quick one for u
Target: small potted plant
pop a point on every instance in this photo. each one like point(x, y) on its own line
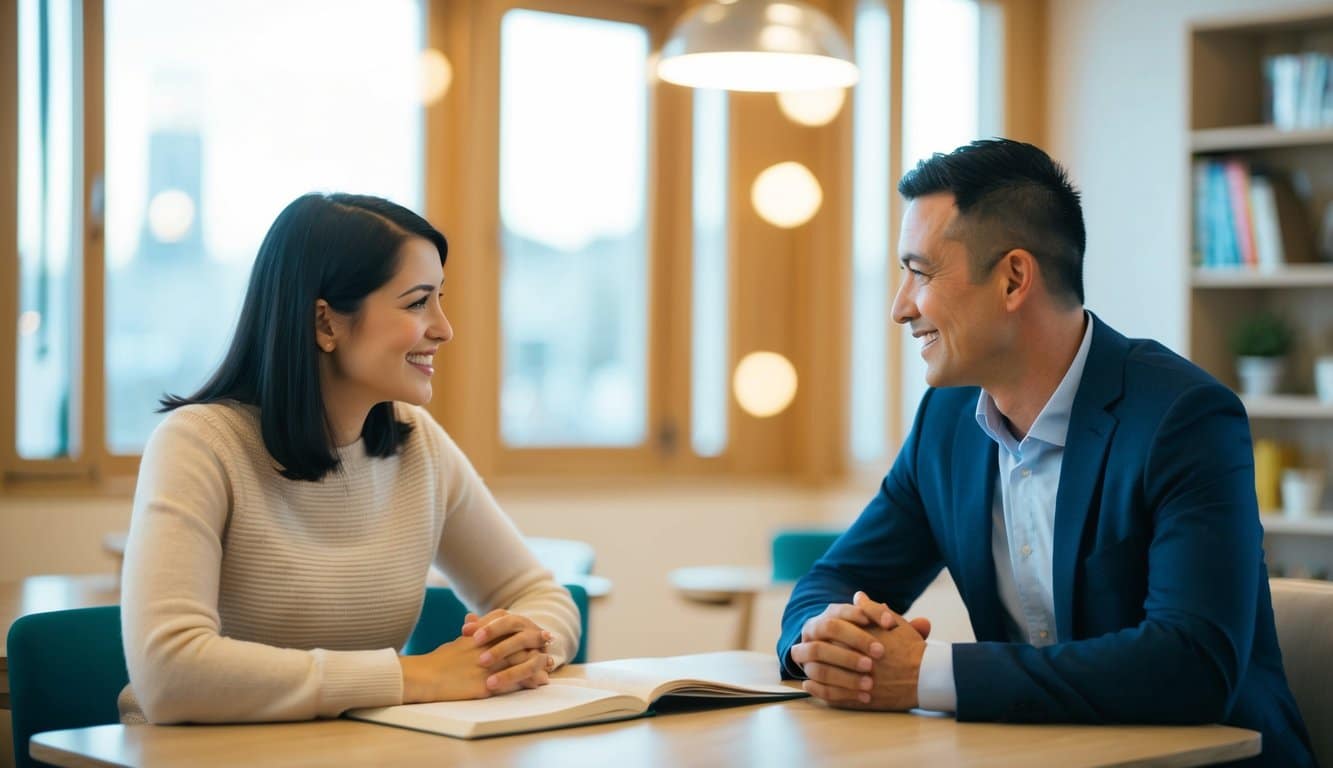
point(1260, 343)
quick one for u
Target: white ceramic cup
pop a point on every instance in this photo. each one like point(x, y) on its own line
point(1302, 491)
point(1323, 378)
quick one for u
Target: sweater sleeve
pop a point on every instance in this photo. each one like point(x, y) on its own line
point(488, 563)
point(182, 669)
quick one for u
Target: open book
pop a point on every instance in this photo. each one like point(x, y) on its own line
point(581, 694)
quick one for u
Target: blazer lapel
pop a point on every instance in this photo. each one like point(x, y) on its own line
point(974, 470)
point(1091, 426)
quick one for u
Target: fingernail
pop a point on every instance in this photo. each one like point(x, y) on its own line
point(864, 698)
point(876, 650)
point(547, 636)
point(864, 664)
point(485, 659)
point(493, 681)
point(480, 636)
point(867, 683)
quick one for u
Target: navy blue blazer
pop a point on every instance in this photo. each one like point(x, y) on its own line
point(1161, 593)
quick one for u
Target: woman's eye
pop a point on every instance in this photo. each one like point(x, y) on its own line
point(419, 303)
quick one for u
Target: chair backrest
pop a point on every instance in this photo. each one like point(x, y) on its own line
point(442, 614)
point(1303, 612)
point(794, 551)
point(66, 669)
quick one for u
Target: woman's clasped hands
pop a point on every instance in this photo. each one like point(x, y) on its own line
point(500, 652)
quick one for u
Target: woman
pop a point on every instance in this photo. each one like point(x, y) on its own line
point(286, 514)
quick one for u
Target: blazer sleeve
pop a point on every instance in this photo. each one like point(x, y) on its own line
point(889, 552)
point(1184, 661)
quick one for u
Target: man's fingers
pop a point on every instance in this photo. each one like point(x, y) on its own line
point(880, 613)
point(922, 625)
point(840, 611)
point(835, 696)
point(837, 677)
point(828, 653)
point(849, 634)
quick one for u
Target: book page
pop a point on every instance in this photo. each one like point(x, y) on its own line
point(550, 706)
point(727, 673)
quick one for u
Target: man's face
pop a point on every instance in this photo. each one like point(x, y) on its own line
point(960, 324)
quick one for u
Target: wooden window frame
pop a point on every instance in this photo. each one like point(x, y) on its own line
point(787, 288)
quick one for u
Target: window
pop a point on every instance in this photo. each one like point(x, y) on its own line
point(942, 108)
point(205, 147)
point(709, 330)
point(871, 289)
point(50, 240)
point(574, 235)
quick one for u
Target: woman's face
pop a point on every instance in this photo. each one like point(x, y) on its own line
point(387, 350)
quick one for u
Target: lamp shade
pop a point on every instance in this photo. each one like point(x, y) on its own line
point(757, 45)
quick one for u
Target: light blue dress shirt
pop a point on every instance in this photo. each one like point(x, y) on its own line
point(1022, 527)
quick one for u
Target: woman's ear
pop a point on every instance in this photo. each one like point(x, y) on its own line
point(325, 324)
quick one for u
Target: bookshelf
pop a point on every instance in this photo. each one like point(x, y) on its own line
point(1233, 106)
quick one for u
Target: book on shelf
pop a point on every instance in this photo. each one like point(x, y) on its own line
point(583, 694)
point(1298, 90)
point(1247, 217)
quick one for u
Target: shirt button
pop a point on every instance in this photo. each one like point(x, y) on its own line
point(1044, 634)
point(1026, 550)
point(1026, 472)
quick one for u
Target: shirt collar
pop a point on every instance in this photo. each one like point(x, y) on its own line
point(1052, 423)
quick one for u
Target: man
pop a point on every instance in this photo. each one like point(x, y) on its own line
point(1091, 495)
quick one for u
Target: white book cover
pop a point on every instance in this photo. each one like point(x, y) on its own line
point(1267, 230)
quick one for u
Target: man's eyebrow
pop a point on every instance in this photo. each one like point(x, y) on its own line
point(421, 287)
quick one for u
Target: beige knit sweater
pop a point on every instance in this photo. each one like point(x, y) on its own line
point(250, 597)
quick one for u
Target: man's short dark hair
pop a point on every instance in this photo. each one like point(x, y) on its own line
point(1009, 195)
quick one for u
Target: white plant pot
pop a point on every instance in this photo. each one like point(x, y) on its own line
point(1259, 375)
point(1302, 492)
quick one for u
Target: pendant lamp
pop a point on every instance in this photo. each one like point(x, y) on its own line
point(757, 45)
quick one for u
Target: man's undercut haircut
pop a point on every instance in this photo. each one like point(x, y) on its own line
point(1009, 195)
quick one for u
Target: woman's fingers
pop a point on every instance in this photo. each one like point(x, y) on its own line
point(511, 678)
point(528, 639)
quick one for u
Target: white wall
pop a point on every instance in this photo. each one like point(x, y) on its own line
point(1117, 117)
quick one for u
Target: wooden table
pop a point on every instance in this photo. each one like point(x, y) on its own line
point(39, 594)
point(791, 733)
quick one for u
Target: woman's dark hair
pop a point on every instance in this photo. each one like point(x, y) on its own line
point(335, 247)
point(1009, 195)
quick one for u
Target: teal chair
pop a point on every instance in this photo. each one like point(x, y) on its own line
point(795, 551)
point(442, 614)
point(66, 669)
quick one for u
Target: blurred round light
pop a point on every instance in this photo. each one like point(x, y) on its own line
point(764, 383)
point(170, 214)
point(812, 107)
point(786, 195)
point(437, 74)
point(29, 322)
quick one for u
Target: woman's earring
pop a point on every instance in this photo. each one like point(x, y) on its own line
point(328, 347)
